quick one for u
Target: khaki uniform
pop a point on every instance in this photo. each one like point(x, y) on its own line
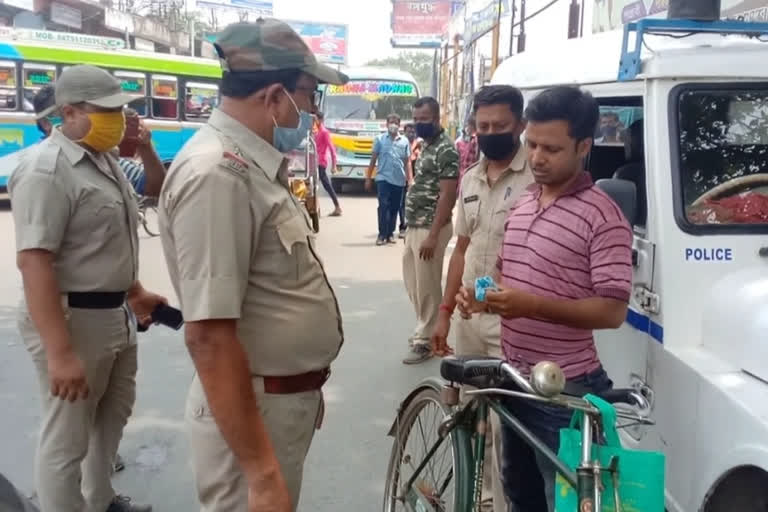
point(240, 246)
point(80, 207)
point(482, 213)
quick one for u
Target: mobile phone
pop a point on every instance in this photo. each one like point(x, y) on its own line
point(168, 316)
point(130, 141)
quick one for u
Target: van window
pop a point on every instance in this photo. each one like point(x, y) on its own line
point(135, 84)
point(723, 164)
point(35, 76)
point(8, 86)
point(165, 96)
point(200, 100)
point(614, 121)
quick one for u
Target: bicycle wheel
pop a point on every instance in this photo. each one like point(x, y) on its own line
point(149, 221)
point(442, 485)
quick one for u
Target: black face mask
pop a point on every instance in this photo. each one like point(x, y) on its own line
point(425, 130)
point(497, 146)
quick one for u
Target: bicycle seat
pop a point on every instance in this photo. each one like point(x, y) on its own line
point(468, 369)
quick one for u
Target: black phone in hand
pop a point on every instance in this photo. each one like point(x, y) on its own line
point(168, 316)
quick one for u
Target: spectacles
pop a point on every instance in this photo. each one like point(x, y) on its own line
point(312, 92)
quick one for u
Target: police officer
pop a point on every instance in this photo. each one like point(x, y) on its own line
point(76, 220)
point(262, 321)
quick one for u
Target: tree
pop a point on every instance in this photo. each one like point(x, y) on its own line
point(419, 64)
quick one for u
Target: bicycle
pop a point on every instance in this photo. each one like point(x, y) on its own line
point(148, 204)
point(464, 427)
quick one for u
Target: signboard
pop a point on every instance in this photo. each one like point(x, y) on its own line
point(143, 44)
point(480, 22)
point(327, 41)
point(373, 88)
point(21, 4)
point(259, 7)
point(420, 24)
point(133, 85)
point(66, 15)
point(613, 14)
point(62, 38)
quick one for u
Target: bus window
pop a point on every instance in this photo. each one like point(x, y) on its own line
point(135, 84)
point(34, 77)
point(8, 85)
point(200, 100)
point(165, 95)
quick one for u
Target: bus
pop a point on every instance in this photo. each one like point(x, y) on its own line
point(174, 94)
point(684, 138)
point(356, 113)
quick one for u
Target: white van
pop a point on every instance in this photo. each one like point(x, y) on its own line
point(696, 336)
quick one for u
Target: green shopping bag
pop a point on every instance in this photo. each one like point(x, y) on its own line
point(641, 474)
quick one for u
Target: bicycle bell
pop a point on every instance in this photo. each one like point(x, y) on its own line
point(547, 379)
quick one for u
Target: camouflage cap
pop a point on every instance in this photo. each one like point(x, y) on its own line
point(270, 45)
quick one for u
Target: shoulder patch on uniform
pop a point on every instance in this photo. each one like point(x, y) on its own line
point(46, 157)
point(234, 162)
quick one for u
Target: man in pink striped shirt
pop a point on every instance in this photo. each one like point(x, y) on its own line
point(565, 269)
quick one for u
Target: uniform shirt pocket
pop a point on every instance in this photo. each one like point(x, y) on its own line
point(472, 211)
point(294, 238)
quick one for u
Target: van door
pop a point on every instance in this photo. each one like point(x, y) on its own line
point(619, 153)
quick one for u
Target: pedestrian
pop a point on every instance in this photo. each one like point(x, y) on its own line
point(410, 134)
point(77, 249)
point(324, 148)
point(428, 210)
point(262, 321)
point(467, 147)
point(488, 191)
point(144, 170)
point(564, 270)
point(392, 152)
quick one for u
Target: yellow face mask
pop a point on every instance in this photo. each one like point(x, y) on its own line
point(107, 130)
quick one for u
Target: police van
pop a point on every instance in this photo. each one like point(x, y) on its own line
point(682, 146)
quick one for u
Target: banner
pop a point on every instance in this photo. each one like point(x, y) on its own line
point(260, 7)
point(420, 24)
point(613, 14)
point(480, 22)
point(61, 38)
point(329, 42)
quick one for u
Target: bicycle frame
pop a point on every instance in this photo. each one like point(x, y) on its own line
point(469, 424)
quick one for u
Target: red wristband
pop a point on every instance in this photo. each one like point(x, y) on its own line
point(446, 308)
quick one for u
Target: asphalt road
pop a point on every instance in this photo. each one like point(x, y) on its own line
point(347, 462)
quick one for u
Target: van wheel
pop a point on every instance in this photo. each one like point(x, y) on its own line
point(743, 490)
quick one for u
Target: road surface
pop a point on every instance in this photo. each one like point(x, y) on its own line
point(347, 461)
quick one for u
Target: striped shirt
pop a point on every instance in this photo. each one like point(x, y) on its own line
point(134, 173)
point(579, 246)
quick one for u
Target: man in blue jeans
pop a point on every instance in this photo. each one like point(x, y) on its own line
point(392, 151)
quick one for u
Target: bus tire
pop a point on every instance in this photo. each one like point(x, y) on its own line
point(744, 489)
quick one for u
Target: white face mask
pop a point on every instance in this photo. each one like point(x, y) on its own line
point(393, 129)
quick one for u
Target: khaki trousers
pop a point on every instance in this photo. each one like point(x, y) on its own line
point(424, 280)
point(481, 336)
point(291, 421)
point(79, 441)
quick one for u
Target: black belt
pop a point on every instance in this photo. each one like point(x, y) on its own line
point(95, 300)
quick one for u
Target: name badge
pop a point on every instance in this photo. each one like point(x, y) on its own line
point(471, 199)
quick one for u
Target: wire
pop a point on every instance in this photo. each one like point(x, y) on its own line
point(550, 4)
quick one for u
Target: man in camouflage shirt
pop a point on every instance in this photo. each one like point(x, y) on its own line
point(428, 209)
